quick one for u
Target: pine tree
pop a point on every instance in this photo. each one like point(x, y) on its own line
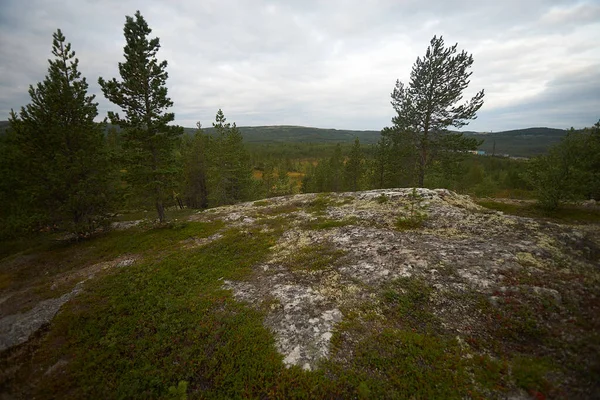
point(336, 170)
point(394, 164)
point(230, 176)
point(148, 140)
point(195, 164)
point(569, 171)
point(62, 151)
point(269, 178)
point(354, 168)
point(429, 104)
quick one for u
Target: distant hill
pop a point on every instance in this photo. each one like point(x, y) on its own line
point(299, 134)
point(520, 142)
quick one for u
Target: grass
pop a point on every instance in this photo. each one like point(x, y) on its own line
point(398, 350)
point(567, 214)
point(165, 328)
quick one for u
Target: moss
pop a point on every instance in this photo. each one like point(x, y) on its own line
point(568, 214)
point(396, 363)
point(286, 208)
point(261, 203)
point(314, 257)
point(528, 260)
point(323, 223)
point(404, 223)
point(530, 373)
point(381, 199)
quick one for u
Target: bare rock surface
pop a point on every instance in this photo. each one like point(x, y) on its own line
point(17, 328)
point(459, 248)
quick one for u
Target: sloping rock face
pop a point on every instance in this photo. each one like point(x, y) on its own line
point(337, 252)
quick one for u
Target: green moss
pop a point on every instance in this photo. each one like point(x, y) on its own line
point(323, 223)
point(143, 330)
point(404, 223)
point(53, 258)
point(530, 373)
point(567, 214)
point(395, 363)
point(382, 199)
point(275, 223)
point(491, 374)
point(319, 205)
point(406, 303)
point(286, 208)
point(261, 203)
point(314, 257)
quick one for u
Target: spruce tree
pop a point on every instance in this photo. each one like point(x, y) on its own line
point(62, 155)
point(354, 168)
point(336, 170)
point(148, 140)
point(195, 189)
point(429, 104)
point(230, 175)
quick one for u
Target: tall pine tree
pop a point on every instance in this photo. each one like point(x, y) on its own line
point(148, 140)
point(61, 151)
point(429, 104)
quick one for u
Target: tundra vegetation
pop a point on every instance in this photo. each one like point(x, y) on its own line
point(289, 270)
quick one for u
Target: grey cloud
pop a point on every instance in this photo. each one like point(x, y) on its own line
point(319, 63)
point(570, 100)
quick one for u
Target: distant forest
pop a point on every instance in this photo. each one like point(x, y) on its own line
point(526, 142)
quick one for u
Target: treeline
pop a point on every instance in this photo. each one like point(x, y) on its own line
point(570, 171)
point(59, 170)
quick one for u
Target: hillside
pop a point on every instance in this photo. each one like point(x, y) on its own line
point(300, 134)
point(379, 294)
point(522, 142)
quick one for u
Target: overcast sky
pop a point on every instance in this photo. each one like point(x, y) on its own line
point(329, 63)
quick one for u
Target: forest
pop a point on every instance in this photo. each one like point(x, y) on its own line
point(62, 171)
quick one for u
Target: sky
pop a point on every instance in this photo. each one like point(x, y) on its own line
point(326, 64)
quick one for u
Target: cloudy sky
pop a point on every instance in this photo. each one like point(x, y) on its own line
point(328, 63)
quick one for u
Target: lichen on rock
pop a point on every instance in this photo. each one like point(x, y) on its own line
point(461, 249)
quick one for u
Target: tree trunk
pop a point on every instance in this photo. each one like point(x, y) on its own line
point(423, 157)
point(160, 209)
point(421, 176)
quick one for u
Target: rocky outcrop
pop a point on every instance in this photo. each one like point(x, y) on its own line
point(337, 251)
